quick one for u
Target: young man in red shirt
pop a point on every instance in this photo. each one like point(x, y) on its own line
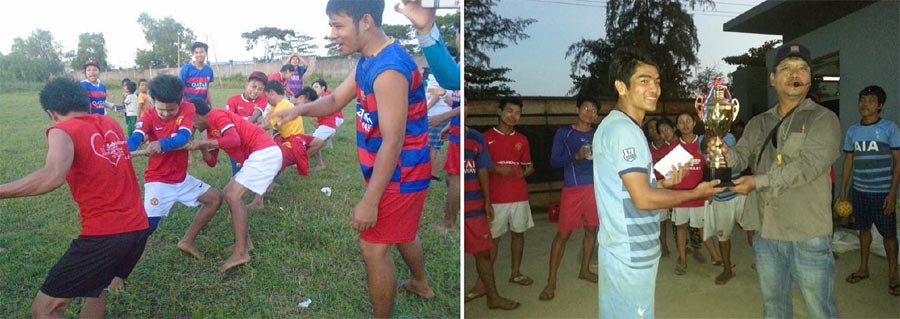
point(88, 151)
point(260, 161)
point(392, 144)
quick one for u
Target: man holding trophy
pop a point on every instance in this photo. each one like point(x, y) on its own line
point(790, 149)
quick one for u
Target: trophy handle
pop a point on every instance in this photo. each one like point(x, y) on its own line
point(737, 108)
point(699, 106)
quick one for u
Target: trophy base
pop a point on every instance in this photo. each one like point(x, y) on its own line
point(723, 174)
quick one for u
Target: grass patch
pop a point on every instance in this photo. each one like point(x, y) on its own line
point(305, 247)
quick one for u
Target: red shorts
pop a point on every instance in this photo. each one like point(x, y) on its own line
point(451, 163)
point(293, 152)
point(577, 208)
point(398, 218)
point(478, 235)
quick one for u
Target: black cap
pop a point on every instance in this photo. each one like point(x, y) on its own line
point(256, 75)
point(92, 61)
point(791, 50)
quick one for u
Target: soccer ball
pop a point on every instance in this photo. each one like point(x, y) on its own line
point(843, 208)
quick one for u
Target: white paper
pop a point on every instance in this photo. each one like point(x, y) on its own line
point(678, 155)
point(305, 303)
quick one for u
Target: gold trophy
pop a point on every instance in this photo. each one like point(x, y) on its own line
point(717, 110)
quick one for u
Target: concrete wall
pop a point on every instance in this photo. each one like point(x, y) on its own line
point(869, 49)
point(328, 67)
point(541, 117)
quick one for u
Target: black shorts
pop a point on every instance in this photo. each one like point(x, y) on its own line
point(868, 209)
point(91, 263)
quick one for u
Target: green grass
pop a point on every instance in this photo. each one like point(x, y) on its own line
point(305, 247)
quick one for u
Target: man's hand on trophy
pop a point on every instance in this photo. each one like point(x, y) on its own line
point(676, 174)
point(708, 189)
point(744, 185)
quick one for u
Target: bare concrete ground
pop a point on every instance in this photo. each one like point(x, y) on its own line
point(694, 295)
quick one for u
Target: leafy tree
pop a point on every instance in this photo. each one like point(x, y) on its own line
point(754, 57)
point(703, 78)
point(487, 31)
point(34, 59)
point(663, 28)
point(331, 46)
point(403, 33)
point(90, 46)
point(445, 24)
point(170, 42)
point(278, 42)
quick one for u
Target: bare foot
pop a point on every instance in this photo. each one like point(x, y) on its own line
point(234, 261)
point(117, 285)
point(589, 276)
point(418, 289)
point(230, 248)
point(724, 277)
point(189, 248)
point(316, 168)
point(503, 303)
point(257, 203)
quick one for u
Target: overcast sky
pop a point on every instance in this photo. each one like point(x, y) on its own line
point(218, 23)
point(539, 64)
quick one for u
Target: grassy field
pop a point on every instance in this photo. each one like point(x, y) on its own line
point(305, 248)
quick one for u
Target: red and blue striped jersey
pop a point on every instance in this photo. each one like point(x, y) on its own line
point(476, 157)
point(196, 82)
point(453, 135)
point(413, 170)
point(295, 82)
point(97, 95)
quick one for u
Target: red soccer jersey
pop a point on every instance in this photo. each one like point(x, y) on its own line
point(101, 177)
point(169, 167)
point(508, 150)
point(657, 153)
point(694, 173)
point(277, 77)
point(243, 107)
point(253, 138)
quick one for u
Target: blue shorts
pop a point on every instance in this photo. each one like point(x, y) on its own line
point(868, 209)
point(625, 291)
point(434, 135)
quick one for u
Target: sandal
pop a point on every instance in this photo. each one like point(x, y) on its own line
point(717, 263)
point(721, 279)
point(894, 290)
point(855, 277)
point(681, 269)
point(547, 294)
point(521, 280)
point(472, 296)
point(505, 305)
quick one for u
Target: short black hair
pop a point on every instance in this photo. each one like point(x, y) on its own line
point(625, 62)
point(200, 106)
point(580, 99)
point(664, 121)
point(510, 100)
point(142, 80)
point(309, 93)
point(166, 88)
point(199, 44)
point(322, 84)
point(356, 9)
point(287, 67)
point(63, 95)
point(875, 90)
point(274, 85)
point(132, 87)
point(126, 80)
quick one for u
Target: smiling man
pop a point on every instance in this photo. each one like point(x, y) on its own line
point(392, 143)
point(628, 195)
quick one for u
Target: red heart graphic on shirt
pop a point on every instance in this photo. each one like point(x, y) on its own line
point(108, 146)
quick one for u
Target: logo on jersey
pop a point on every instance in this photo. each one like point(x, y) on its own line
point(179, 119)
point(470, 166)
point(139, 125)
point(628, 154)
point(154, 201)
point(519, 147)
point(216, 133)
point(365, 119)
point(108, 146)
point(865, 146)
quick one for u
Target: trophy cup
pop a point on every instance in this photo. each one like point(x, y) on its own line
point(717, 110)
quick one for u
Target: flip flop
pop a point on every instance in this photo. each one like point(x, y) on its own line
point(681, 269)
point(717, 263)
point(894, 290)
point(855, 278)
point(521, 280)
point(472, 296)
point(547, 294)
point(510, 305)
point(721, 281)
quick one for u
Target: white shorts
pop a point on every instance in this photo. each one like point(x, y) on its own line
point(338, 122)
point(159, 197)
point(681, 215)
point(260, 169)
point(515, 217)
point(323, 132)
point(664, 214)
point(725, 214)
